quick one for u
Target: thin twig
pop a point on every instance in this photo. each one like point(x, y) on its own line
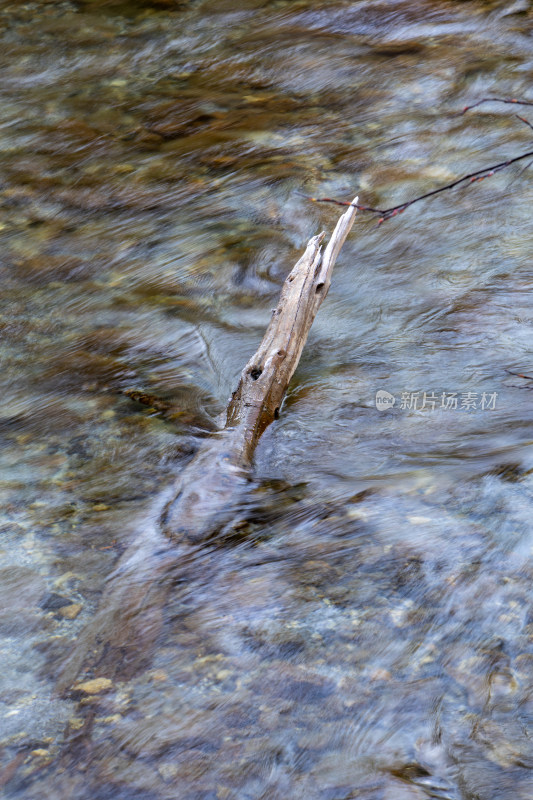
point(526, 121)
point(519, 375)
point(387, 213)
point(511, 101)
point(471, 177)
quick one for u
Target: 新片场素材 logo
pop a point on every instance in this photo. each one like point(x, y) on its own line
point(432, 401)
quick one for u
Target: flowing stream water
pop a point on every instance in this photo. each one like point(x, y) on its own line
point(367, 633)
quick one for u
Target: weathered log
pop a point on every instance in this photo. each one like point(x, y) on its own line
point(209, 491)
point(213, 487)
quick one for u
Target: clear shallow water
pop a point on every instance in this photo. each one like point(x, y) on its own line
point(370, 634)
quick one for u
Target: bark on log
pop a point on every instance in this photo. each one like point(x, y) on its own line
point(209, 491)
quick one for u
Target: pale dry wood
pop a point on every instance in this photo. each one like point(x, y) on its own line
point(210, 491)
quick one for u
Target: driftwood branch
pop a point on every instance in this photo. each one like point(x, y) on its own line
point(210, 489)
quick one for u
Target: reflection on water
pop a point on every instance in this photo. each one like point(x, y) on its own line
point(368, 633)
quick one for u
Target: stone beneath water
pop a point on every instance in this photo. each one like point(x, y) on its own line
point(71, 611)
point(94, 686)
